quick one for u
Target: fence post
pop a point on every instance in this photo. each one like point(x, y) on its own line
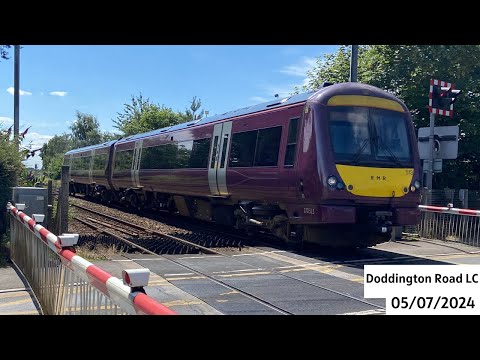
point(50, 205)
point(463, 196)
point(62, 206)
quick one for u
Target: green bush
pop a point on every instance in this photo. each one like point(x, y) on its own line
point(10, 169)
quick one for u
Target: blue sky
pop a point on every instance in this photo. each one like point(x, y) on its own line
point(55, 81)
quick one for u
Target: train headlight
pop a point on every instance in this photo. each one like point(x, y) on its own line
point(416, 183)
point(332, 181)
point(412, 188)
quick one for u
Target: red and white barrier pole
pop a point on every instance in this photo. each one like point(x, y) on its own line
point(449, 210)
point(121, 294)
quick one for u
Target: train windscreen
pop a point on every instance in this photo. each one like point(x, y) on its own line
point(369, 137)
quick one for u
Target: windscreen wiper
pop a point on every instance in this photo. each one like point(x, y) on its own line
point(357, 155)
point(392, 155)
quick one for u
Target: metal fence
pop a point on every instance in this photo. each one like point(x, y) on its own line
point(450, 224)
point(460, 198)
point(65, 283)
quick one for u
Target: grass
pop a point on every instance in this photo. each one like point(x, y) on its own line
point(92, 251)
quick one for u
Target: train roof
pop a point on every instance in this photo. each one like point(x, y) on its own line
point(91, 147)
point(230, 114)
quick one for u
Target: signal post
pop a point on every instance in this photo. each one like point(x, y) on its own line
point(442, 96)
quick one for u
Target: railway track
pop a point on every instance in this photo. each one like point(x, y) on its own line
point(189, 242)
point(155, 247)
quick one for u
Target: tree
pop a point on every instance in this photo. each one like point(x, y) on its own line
point(4, 51)
point(405, 71)
point(10, 169)
point(141, 115)
point(86, 130)
point(52, 154)
point(190, 113)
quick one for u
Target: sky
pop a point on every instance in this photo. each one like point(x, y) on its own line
point(56, 81)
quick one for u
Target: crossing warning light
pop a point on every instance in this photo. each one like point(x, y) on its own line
point(442, 97)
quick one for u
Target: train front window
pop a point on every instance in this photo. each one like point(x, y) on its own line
point(369, 136)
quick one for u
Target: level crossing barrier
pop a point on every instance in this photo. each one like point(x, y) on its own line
point(65, 283)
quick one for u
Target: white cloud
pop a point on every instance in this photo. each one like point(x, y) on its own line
point(58, 93)
point(34, 141)
point(282, 91)
point(11, 90)
point(300, 68)
point(5, 121)
point(258, 99)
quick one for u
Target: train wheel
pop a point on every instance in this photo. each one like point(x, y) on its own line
point(134, 201)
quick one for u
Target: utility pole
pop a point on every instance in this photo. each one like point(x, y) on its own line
point(16, 91)
point(354, 63)
point(16, 99)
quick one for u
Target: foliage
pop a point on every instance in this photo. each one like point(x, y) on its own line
point(85, 130)
point(10, 170)
point(406, 70)
point(52, 154)
point(4, 51)
point(191, 113)
point(141, 115)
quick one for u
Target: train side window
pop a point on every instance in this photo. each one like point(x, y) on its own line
point(199, 156)
point(85, 163)
point(243, 145)
point(214, 152)
point(66, 161)
point(123, 160)
point(291, 142)
point(184, 151)
point(99, 161)
point(74, 164)
point(224, 151)
point(268, 144)
point(151, 157)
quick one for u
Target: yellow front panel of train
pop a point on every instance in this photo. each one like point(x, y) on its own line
point(376, 182)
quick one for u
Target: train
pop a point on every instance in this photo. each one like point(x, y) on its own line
point(337, 166)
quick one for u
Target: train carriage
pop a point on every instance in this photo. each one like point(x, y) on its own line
point(88, 168)
point(338, 166)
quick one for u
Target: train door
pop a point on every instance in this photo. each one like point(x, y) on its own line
point(217, 167)
point(90, 168)
point(137, 153)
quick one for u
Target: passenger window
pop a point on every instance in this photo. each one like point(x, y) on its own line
point(256, 148)
point(123, 160)
point(99, 162)
point(243, 149)
point(291, 142)
point(268, 144)
point(184, 151)
point(200, 151)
